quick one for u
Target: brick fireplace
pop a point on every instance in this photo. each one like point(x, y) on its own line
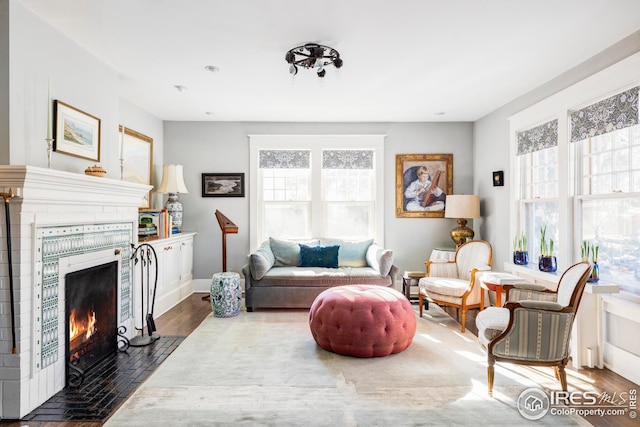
point(61, 222)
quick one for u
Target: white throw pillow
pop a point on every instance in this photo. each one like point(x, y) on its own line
point(380, 259)
point(353, 253)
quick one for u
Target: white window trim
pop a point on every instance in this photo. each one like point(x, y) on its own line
point(283, 142)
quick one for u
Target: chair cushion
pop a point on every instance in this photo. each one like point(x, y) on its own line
point(444, 286)
point(491, 322)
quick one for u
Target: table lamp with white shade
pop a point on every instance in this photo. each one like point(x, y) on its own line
point(462, 206)
point(173, 183)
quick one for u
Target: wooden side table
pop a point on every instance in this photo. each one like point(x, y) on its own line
point(410, 278)
point(495, 287)
point(495, 282)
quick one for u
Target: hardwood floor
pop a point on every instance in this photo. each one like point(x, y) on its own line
point(186, 316)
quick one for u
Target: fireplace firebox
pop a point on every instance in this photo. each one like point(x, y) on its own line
point(92, 318)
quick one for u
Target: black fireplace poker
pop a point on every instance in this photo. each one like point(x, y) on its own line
point(7, 198)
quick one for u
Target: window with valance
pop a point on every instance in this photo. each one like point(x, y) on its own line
point(309, 189)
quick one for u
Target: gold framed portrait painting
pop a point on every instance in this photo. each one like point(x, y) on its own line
point(422, 184)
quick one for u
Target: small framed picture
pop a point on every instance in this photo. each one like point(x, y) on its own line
point(223, 185)
point(498, 178)
point(76, 132)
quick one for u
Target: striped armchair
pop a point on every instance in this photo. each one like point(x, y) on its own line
point(454, 283)
point(534, 326)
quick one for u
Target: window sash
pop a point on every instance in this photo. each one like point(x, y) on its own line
point(608, 163)
point(616, 235)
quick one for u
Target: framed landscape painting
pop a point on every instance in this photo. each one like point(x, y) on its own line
point(76, 132)
point(223, 185)
point(422, 184)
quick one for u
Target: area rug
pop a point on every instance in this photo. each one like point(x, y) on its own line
point(264, 369)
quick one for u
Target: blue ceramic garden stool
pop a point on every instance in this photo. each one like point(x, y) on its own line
point(226, 294)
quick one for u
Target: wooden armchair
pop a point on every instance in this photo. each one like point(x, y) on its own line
point(534, 326)
point(454, 283)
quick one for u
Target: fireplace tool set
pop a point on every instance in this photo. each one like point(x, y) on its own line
point(145, 256)
point(7, 198)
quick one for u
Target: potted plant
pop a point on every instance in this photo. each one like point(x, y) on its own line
point(520, 253)
point(589, 250)
point(547, 261)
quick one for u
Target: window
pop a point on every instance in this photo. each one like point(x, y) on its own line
point(316, 187)
point(605, 140)
point(348, 182)
point(537, 171)
point(286, 195)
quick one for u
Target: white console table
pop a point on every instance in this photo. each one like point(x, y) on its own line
point(175, 263)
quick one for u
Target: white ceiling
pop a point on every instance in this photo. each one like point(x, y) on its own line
point(404, 60)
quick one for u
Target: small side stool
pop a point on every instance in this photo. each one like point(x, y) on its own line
point(226, 294)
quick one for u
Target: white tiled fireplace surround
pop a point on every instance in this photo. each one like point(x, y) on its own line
point(58, 219)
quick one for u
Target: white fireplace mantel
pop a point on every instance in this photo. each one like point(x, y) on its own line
point(41, 185)
point(57, 200)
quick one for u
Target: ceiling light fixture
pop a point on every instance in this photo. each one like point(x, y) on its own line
point(180, 88)
point(312, 55)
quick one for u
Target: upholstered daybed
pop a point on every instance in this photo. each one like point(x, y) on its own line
point(291, 274)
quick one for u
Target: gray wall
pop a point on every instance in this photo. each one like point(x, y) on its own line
point(491, 146)
point(39, 57)
point(224, 147)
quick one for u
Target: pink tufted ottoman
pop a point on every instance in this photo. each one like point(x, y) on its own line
point(362, 320)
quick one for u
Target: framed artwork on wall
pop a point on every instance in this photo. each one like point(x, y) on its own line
point(136, 151)
point(498, 178)
point(76, 132)
point(223, 185)
point(422, 183)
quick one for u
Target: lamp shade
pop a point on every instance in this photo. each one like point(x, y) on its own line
point(462, 206)
point(172, 180)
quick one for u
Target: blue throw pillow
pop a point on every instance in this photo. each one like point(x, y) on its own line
point(318, 256)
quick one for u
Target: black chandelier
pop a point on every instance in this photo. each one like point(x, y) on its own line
point(312, 55)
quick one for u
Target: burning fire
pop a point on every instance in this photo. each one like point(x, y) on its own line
point(79, 324)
